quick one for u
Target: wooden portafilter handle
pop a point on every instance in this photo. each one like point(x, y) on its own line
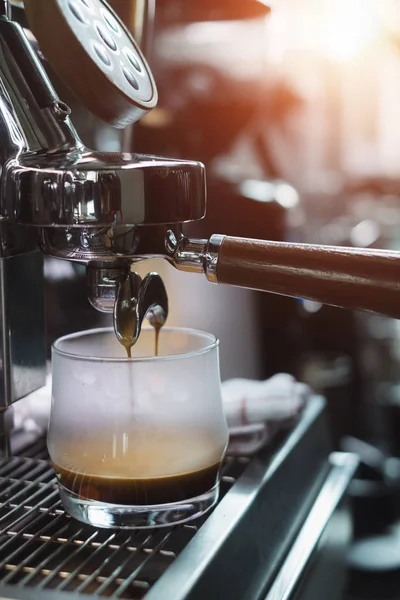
point(354, 278)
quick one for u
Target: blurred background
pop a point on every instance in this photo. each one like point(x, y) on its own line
point(294, 108)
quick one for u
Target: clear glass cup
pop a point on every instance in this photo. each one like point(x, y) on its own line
point(137, 442)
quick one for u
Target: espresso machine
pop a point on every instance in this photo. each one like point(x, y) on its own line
point(108, 211)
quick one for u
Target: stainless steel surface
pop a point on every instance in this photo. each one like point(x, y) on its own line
point(113, 249)
point(118, 245)
point(343, 469)
point(107, 250)
point(33, 118)
point(118, 85)
point(188, 255)
point(92, 189)
point(119, 290)
point(327, 567)
point(22, 331)
point(51, 180)
point(6, 425)
point(197, 256)
point(42, 548)
point(211, 258)
point(5, 8)
point(102, 285)
point(144, 24)
point(266, 503)
point(256, 523)
point(142, 27)
point(112, 51)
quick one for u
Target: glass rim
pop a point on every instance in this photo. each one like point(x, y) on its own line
point(134, 359)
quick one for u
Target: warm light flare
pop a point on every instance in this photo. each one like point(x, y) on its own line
point(350, 27)
point(339, 30)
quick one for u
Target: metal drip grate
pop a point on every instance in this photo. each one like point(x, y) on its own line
point(44, 548)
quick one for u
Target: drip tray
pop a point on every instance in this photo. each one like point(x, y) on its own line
point(264, 503)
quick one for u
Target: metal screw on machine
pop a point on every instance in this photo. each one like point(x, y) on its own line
point(5, 8)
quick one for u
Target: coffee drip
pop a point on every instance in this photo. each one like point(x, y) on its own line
point(156, 317)
point(135, 300)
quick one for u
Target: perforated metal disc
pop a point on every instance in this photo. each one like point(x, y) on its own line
point(93, 53)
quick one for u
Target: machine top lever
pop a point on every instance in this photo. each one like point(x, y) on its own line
point(95, 56)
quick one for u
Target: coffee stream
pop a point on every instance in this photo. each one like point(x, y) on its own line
point(156, 317)
point(157, 329)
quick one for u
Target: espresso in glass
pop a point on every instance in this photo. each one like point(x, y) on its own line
point(177, 467)
point(137, 442)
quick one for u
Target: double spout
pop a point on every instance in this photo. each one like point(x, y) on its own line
point(135, 300)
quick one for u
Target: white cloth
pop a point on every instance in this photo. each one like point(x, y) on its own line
point(256, 410)
point(276, 399)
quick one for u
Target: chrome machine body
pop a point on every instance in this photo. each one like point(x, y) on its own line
point(71, 203)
